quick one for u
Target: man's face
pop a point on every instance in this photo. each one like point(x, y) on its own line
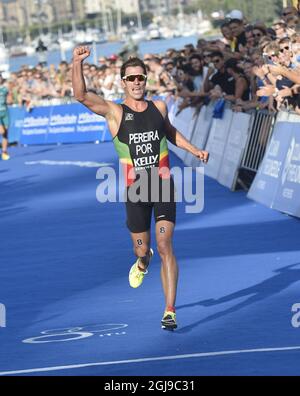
point(279, 29)
point(287, 12)
point(285, 54)
point(227, 33)
point(236, 28)
point(196, 64)
point(134, 82)
point(257, 35)
point(257, 60)
point(274, 56)
point(218, 62)
point(250, 38)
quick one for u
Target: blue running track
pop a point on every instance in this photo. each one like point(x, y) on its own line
point(64, 278)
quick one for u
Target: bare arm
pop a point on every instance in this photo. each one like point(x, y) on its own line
point(240, 88)
point(175, 137)
point(89, 99)
point(292, 75)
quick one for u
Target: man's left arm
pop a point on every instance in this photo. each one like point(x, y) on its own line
point(175, 137)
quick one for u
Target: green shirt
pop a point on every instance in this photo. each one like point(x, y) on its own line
point(3, 99)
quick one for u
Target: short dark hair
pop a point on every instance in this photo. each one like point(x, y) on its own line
point(224, 24)
point(232, 63)
point(238, 21)
point(217, 53)
point(196, 56)
point(133, 62)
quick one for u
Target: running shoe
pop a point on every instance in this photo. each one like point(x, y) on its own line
point(168, 321)
point(5, 156)
point(136, 276)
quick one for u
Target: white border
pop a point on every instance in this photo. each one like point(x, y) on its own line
point(151, 359)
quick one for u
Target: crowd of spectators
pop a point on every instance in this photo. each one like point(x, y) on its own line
point(252, 65)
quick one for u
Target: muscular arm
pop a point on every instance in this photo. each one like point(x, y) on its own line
point(240, 88)
point(89, 99)
point(175, 137)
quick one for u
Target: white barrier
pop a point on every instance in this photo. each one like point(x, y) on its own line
point(216, 143)
point(234, 149)
point(184, 122)
point(200, 134)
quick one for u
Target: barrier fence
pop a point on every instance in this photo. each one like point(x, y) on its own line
point(260, 149)
point(263, 143)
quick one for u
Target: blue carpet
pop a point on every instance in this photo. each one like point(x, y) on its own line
point(64, 278)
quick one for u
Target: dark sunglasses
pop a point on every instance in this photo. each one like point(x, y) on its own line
point(271, 55)
point(257, 35)
point(284, 48)
point(286, 13)
point(132, 77)
point(216, 60)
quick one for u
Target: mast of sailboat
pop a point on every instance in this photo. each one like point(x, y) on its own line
point(138, 13)
point(119, 18)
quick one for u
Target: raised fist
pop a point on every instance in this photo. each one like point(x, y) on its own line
point(81, 53)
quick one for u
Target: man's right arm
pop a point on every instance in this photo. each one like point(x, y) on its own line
point(89, 99)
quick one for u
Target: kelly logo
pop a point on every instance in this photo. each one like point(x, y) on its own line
point(2, 315)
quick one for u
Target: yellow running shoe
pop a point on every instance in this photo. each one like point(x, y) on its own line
point(136, 276)
point(168, 321)
point(5, 156)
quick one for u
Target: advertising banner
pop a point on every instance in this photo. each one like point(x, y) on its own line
point(70, 123)
point(278, 157)
point(216, 143)
point(234, 149)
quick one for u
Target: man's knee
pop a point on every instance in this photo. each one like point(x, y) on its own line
point(164, 247)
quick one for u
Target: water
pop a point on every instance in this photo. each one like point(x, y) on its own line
point(107, 49)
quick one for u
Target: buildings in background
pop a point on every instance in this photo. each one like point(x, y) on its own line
point(23, 13)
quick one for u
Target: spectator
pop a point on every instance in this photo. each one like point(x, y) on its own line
point(241, 86)
point(238, 31)
point(288, 12)
point(164, 81)
point(219, 82)
point(228, 38)
point(280, 29)
point(258, 33)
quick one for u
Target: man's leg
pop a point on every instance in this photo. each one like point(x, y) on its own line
point(141, 248)
point(4, 144)
point(169, 269)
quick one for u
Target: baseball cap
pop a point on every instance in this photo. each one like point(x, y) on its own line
point(235, 14)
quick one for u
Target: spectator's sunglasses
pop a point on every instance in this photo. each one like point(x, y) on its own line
point(257, 34)
point(286, 13)
point(286, 48)
point(271, 55)
point(216, 60)
point(133, 77)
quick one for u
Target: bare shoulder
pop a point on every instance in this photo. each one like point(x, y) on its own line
point(115, 109)
point(162, 107)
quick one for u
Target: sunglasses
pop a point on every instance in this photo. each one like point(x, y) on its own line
point(271, 55)
point(216, 60)
point(257, 35)
point(284, 49)
point(286, 13)
point(133, 77)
